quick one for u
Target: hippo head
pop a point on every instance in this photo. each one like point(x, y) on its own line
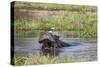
point(46, 39)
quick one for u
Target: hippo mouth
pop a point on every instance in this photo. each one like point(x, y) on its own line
point(47, 47)
point(47, 43)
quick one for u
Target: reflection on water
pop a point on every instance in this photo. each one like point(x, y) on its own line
point(86, 51)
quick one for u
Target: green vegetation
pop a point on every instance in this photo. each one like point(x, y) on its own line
point(81, 20)
point(51, 6)
point(19, 60)
point(84, 25)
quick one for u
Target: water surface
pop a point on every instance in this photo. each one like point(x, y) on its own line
point(81, 49)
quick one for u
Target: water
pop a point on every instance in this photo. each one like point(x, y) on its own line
point(81, 49)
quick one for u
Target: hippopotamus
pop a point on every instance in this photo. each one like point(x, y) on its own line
point(50, 43)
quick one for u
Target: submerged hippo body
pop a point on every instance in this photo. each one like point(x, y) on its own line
point(50, 43)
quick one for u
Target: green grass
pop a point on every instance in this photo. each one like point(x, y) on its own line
point(36, 59)
point(51, 6)
point(80, 19)
point(84, 25)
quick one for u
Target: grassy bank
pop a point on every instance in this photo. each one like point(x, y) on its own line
point(20, 60)
point(74, 20)
point(84, 25)
point(51, 6)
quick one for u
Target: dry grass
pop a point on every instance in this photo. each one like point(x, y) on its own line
point(36, 59)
